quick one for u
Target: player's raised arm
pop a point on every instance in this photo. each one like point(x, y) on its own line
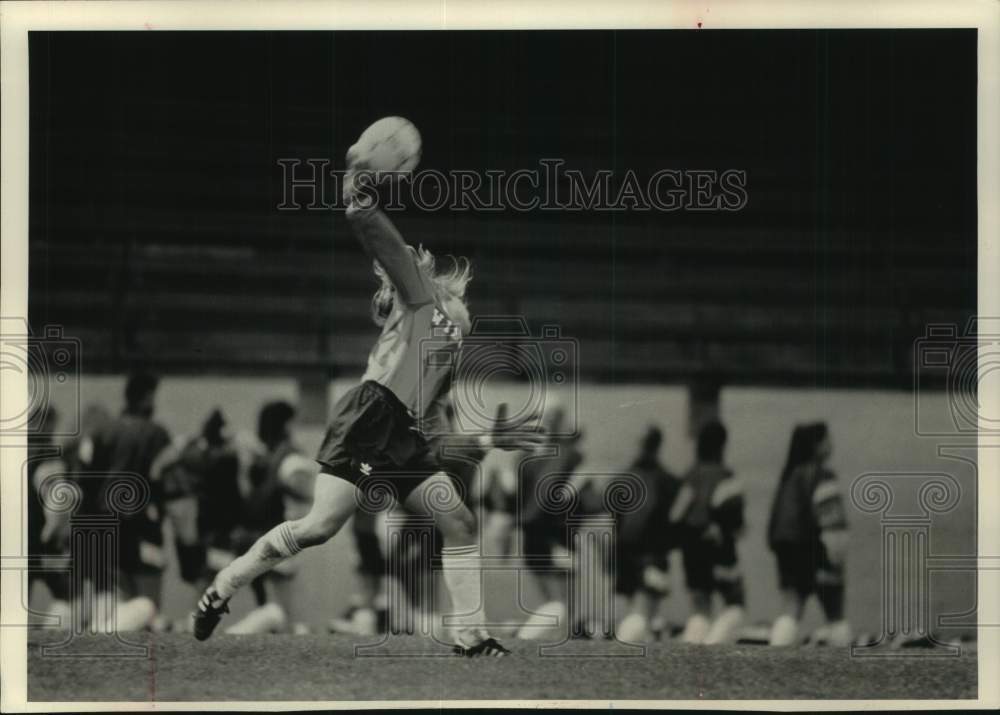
point(386, 150)
point(385, 244)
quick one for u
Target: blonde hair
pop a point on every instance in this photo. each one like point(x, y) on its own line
point(449, 287)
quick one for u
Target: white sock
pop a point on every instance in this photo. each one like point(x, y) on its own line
point(463, 576)
point(131, 615)
point(539, 624)
point(840, 634)
point(265, 619)
point(820, 636)
point(696, 629)
point(365, 621)
point(267, 552)
point(64, 612)
point(726, 627)
point(784, 631)
point(103, 607)
point(634, 628)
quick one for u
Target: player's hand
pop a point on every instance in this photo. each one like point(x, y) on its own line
point(524, 433)
point(357, 178)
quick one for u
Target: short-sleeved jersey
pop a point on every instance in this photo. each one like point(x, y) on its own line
point(415, 357)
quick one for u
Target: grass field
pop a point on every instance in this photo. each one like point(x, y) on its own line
point(321, 667)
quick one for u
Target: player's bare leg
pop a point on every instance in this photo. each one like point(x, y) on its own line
point(461, 561)
point(334, 501)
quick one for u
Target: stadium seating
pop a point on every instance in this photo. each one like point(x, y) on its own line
point(644, 300)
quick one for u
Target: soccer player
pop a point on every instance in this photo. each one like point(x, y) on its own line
point(48, 530)
point(200, 494)
point(382, 429)
point(645, 538)
point(709, 509)
point(543, 529)
point(366, 613)
point(131, 444)
point(807, 532)
point(198, 478)
point(280, 489)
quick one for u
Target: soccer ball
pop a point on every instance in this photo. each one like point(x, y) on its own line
point(392, 144)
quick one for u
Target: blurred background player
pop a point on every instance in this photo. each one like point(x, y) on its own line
point(645, 538)
point(807, 531)
point(366, 612)
point(130, 444)
point(48, 530)
point(280, 489)
point(709, 511)
point(79, 450)
point(543, 525)
point(202, 499)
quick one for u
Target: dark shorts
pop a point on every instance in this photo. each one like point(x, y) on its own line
point(631, 568)
point(373, 442)
point(806, 569)
point(711, 567)
point(540, 537)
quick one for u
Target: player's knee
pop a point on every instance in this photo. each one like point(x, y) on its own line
point(315, 529)
point(458, 526)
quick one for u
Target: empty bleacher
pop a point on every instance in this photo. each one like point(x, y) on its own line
point(643, 301)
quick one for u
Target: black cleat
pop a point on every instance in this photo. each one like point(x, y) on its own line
point(485, 648)
point(210, 609)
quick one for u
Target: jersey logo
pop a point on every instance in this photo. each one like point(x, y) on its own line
point(444, 326)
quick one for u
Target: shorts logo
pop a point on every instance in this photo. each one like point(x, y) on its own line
point(366, 469)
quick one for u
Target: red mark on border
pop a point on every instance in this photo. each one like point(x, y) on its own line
point(152, 667)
